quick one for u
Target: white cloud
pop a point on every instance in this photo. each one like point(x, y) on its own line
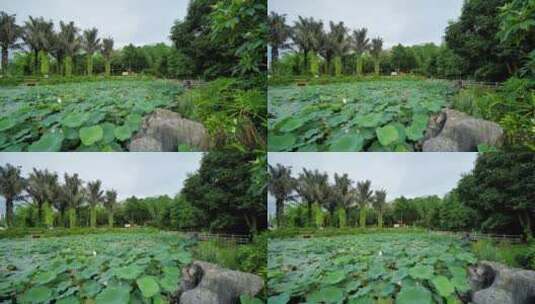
point(397, 21)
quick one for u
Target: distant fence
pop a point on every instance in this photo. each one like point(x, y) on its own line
point(476, 236)
point(220, 237)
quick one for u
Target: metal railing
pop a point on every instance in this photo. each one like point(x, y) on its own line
point(220, 237)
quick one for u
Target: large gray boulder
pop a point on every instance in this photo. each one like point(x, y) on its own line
point(494, 283)
point(454, 131)
point(205, 283)
point(164, 131)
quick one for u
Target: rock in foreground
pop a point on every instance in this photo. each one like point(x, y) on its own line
point(454, 131)
point(205, 283)
point(493, 283)
point(164, 131)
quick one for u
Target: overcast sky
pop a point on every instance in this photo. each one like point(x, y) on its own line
point(398, 21)
point(139, 174)
point(127, 21)
point(407, 174)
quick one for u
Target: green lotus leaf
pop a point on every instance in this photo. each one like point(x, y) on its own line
point(291, 124)
point(130, 272)
point(334, 277)
point(49, 142)
point(348, 143)
point(246, 299)
point(123, 133)
point(39, 294)
point(421, 272)
point(91, 135)
point(326, 295)
point(388, 135)
point(279, 299)
point(69, 300)
point(414, 295)
point(7, 123)
point(114, 295)
point(148, 285)
point(45, 277)
point(444, 287)
point(281, 143)
point(74, 120)
point(108, 130)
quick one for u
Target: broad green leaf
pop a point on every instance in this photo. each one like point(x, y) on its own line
point(37, 295)
point(74, 120)
point(334, 277)
point(443, 286)
point(49, 142)
point(113, 295)
point(326, 295)
point(348, 143)
point(422, 272)
point(91, 135)
point(129, 272)
point(281, 143)
point(246, 299)
point(7, 123)
point(279, 299)
point(123, 133)
point(414, 295)
point(388, 135)
point(148, 286)
point(291, 124)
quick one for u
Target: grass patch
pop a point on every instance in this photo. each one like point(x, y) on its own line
point(513, 255)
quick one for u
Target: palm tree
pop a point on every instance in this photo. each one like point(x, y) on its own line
point(109, 203)
point(281, 186)
point(364, 195)
point(11, 187)
point(10, 32)
point(38, 35)
point(74, 193)
point(379, 203)
point(279, 33)
point(90, 44)
point(313, 187)
point(334, 45)
point(40, 187)
point(70, 42)
point(342, 192)
point(361, 44)
point(107, 51)
point(95, 196)
point(307, 34)
point(376, 49)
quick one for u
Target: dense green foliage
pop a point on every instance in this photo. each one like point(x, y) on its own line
point(359, 116)
point(368, 268)
point(96, 116)
point(105, 268)
point(495, 197)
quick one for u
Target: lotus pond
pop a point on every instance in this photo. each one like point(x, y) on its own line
point(380, 268)
point(104, 268)
point(375, 116)
point(89, 116)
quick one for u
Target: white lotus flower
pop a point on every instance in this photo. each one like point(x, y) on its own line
point(59, 100)
point(94, 253)
point(344, 100)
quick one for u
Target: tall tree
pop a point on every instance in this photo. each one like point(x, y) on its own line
point(12, 185)
point(107, 52)
point(70, 41)
point(95, 196)
point(110, 202)
point(40, 187)
point(38, 35)
point(281, 185)
point(375, 51)
point(90, 44)
point(364, 196)
point(334, 45)
point(307, 34)
point(10, 33)
point(361, 44)
point(379, 204)
point(279, 33)
point(341, 195)
point(474, 38)
point(74, 193)
point(501, 188)
point(312, 187)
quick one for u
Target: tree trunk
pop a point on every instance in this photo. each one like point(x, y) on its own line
point(4, 60)
point(89, 64)
point(40, 220)
point(108, 68)
point(36, 63)
point(274, 56)
point(68, 66)
point(310, 219)
point(279, 212)
point(359, 65)
point(305, 59)
point(377, 67)
point(72, 217)
point(525, 223)
point(362, 217)
point(380, 220)
point(93, 217)
point(110, 219)
point(9, 212)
